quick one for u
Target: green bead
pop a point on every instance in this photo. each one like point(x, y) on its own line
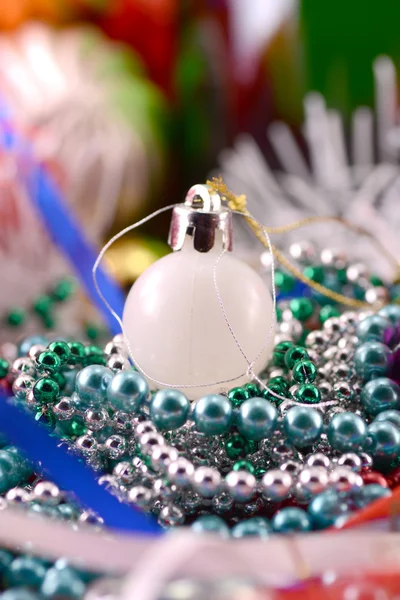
point(284, 281)
point(43, 305)
point(277, 389)
point(252, 389)
point(93, 331)
point(77, 353)
point(4, 367)
point(61, 349)
point(315, 273)
point(279, 380)
point(304, 371)
point(46, 418)
point(16, 317)
point(235, 446)
point(294, 354)
point(60, 379)
point(302, 308)
point(63, 290)
point(48, 361)
point(26, 571)
point(238, 395)
point(278, 355)
point(243, 465)
point(341, 276)
point(376, 281)
point(278, 314)
point(46, 390)
point(94, 356)
point(260, 472)
point(327, 312)
point(71, 429)
point(308, 393)
point(48, 321)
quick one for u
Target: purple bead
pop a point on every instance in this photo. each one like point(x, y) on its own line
point(390, 336)
point(396, 365)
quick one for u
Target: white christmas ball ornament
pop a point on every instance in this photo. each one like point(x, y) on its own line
point(173, 319)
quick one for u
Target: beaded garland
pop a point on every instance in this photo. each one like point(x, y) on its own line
point(321, 442)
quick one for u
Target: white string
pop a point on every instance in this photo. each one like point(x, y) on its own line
point(250, 363)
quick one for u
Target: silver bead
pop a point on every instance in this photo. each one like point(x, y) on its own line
point(331, 257)
point(149, 440)
point(222, 502)
point(162, 456)
point(342, 371)
point(292, 467)
point(47, 492)
point(345, 355)
point(276, 484)
point(350, 460)
point(96, 418)
point(326, 389)
point(281, 452)
point(125, 472)
point(64, 409)
point(171, 516)
point(343, 479)
point(22, 385)
point(348, 341)
point(117, 362)
point(356, 271)
point(87, 444)
point(364, 314)
point(144, 427)
point(330, 353)
point(241, 485)
point(318, 460)
point(343, 390)
point(316, 339)
point(18, 496)
point(190, 502)
point(114, 347)
point(140, 496)
point(116, 446)
point(314, 480)
point(333, 327)
point(292, 328)
point(206, 481)
point(90, 518)
point(377, 295)
point(366, 460)
point(23, 365)
point(335, 410)
point(287, 315)
point(35, 350)
point(304, 252)
point(180, 471)
point(164, 490)
point(349, 321)
point(121, 421)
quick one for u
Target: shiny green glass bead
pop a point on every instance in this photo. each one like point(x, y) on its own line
point(238, 395)
point(16, 317)
point(252, 389)
point(212, 414)
point(235, 446)
point(381, 394)
point(62, 582)
point(243, 465)
point(257, 418)
point(48, 361)
point(26, 571)
point(277, 389)
point(291, 520)
point(46, 390)
point(315, 273)
point(260, 472)
point(307, 393)
point(254, 527)
point(4, 368)
point(376, 281)
point(294, 354)
point(279, 380)
point(73, 428)
point(302, 425)
point(63, 290)
point(93, 332)
point(284, 281)
point(341, 276)
point(77, 353)
point(385, 439)
point(304, 371)
point(46, 418)
point(302, 308)
point(94, 356)
point(43, 305)
point(327, 312)
point(347, 432)
point(60, 379)
point(62, 350)
point(278, 355)
point(278, 314)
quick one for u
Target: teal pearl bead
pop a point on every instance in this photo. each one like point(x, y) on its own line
point(255, 527)
point(91, 384)
point(127, 391)
point(391, 312)
point(347, 432)
point(26, 571)
point(211, 524)
point(380, 395)
point(6, 559)
point(372, 328)
point(372, 360)
point(19, 593)
point(213, 414)
point(291, 520)
point(62, 582)
point(369, 493)
point(385, 439)
point(326, 508)
point(393, 416)
point(257, 418)
point(302, 425)
point(11, 471)
point(169, 409)
point(26, 344)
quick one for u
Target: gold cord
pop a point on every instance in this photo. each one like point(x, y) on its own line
point(239, 203)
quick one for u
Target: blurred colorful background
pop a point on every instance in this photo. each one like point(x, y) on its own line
point(127, 103)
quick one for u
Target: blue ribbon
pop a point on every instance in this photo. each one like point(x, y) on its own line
point(62, 226)
point(68, 472)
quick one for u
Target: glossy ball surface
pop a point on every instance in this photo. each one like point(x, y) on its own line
point(257, 418)
point(291, 520)
point(373, 328)
point(347, 432)
point(385, 439)
point(255, 527)
point(379, 395)
point(127, 391)
point(91, 385)
point(169, 409)
point(372, 359)
point(302, 425)
point(212, 414)
point(210, 524)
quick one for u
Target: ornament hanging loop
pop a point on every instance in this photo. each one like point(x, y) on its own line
point(200, 217)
